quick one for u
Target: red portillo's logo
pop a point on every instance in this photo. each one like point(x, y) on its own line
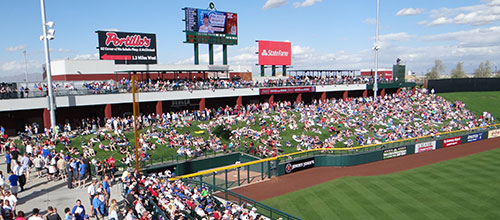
point(128, 41)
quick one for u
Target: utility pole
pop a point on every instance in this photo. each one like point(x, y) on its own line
point(376, 48)
point(45, 38)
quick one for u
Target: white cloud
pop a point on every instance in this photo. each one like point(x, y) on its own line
point(479, 37)
point(370, 21)
point(410, 11)
point(110, 29)
point(481, 14)
point(94, 56)
point(274, 3)
point(18, 67)
point(401, 36)
point(16, 48)
point(306, 3)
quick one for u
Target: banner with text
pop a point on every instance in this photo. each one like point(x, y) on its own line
point(127, 48)
point(494, 133)
point(298, 165)
point(275, 53)
point(425, 146)
point(474, 137)
point(448, 142)
point(394, 152)
point(271, 91)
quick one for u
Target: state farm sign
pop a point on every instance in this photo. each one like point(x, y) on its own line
point(448, 142)
point(275, 53)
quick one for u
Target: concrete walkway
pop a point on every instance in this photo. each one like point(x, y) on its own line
point(40, 193)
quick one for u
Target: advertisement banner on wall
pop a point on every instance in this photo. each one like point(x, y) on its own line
point(494, 133)
point(448, 142)
point(271, 91)
point(394, 152)
point(275, 53)
point(298, 165)
point(425, 146)
point(127, 48)
point(474, 137)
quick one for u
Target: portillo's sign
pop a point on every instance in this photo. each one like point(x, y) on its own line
point(299, 165)
point(448, 142)
point(127, 48)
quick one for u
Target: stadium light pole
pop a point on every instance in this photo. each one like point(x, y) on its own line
point(376, 47)
point(48, 35)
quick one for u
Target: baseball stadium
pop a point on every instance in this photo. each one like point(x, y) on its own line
point(126, 135)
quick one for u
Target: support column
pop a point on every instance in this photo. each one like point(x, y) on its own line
point(224, 54)
point(196, 54)
point(210, 54)
point(202, 104)
point(271, 99)
point(284, 70)
point(273, 69)
point(323, 96)
point(382, 92)
point(365, 93)
point(345, 95)
point(107, 111)
point(46, 118)
point(262, 70)
point(299, 98)
point(159, 107)
point(239, 101)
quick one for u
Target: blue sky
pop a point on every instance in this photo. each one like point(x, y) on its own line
point(325, 34)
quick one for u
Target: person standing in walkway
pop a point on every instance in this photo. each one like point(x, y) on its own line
point(69, 171)
point(106, 185)
point(13, 178)
point(8, 160)
point(82, 170)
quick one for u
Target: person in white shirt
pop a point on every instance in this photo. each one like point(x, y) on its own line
point(35, 215)
point(91, 190)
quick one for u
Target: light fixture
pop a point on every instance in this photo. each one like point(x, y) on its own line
point(50, 24)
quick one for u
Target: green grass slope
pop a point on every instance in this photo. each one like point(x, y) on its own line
point(463, 188)
point(478, 102)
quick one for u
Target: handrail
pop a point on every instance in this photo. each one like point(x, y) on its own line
point(318, 149)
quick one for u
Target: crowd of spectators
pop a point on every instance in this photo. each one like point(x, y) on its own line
point(179, 200)
point(162, 85)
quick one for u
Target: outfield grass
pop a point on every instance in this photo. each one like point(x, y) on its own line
point(478, 102)
point(463, 188)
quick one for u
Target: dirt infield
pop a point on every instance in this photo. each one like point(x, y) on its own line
point(303, 179)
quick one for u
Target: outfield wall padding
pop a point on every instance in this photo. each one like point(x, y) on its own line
point(464, 85)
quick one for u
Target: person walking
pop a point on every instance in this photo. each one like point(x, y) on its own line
point(82, 170)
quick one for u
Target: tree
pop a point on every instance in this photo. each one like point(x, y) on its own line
point(458, 72)
point(484, 70)
point(436, 71)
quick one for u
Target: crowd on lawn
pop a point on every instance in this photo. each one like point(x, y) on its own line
point(259, 130)
point(261, 127)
